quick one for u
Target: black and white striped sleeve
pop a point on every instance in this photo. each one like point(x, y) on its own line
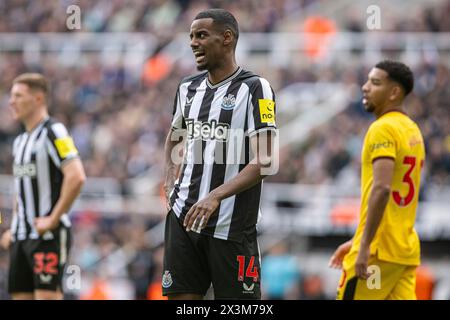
point(262, 109)
point(177, 119)
point(60, 145)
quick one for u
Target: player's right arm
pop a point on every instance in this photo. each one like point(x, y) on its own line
point(171, 165)
point(5, 240)
point(338, 256)
point(173, 148)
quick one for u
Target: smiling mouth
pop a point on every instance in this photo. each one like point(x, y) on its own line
point(199, 56)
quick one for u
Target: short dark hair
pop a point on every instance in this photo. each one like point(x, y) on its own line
point(34, 81)
point(399, 72)
point(223, 19)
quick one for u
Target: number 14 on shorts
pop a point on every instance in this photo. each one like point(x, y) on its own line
point(251, 271)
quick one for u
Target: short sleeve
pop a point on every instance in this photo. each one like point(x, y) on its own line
point(381, 142)
point(177, 114)
point(262, 108)
point(60, 145)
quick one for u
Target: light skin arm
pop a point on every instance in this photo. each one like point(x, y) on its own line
point(338, 256)
point(172, 145)
point(247, 178)
point(5, 239)
point(383, 171)
point(74, 178)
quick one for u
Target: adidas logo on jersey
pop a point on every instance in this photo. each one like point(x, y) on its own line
point(207, 130)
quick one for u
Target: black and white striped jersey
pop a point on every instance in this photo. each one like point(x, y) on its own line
point(219, 119)
point(38, 158)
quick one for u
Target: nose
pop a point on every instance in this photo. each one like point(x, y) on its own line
point(194, 43)
point(365, 87)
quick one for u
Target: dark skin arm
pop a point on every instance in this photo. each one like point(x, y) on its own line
point(171, 148)
point(383, 171)
point(247, 178)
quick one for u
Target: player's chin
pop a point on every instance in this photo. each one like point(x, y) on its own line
point(369, 107)
point(202, 66)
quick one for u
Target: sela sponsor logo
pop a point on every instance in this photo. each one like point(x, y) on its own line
point(167, 279)
point(228, 102)
point(207, 130)
point(25, 170)
point(384, 144)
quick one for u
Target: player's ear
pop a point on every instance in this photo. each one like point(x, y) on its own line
point(39, 97)
point(228, 37)
point(396, 92)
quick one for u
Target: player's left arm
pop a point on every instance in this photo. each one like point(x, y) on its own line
point(252, 174)
point(74, 178)
point(383, 171)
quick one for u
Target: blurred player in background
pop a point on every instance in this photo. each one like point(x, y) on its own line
point(48, 178)
point(392, 157)
point(213, 206)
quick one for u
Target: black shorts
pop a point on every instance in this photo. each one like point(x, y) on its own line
point(193, 261)
point(37, 264)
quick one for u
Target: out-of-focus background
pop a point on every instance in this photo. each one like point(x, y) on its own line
point(113, 81)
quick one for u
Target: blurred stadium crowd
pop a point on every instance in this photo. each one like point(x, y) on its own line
point(119, 121)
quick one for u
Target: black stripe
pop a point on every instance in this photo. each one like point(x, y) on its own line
point(197, 170)
point(257, 93)
point(34, 180)
point(245, 211)
point(350, 288)
point(34, 184)
point(192, 90)
point(221, 148)
point(247, 203)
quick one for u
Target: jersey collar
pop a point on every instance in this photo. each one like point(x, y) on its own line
point(226, 80)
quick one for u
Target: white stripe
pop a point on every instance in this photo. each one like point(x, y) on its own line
point(59, 130)
point(65, 220)
point(52, 152)
point(232, 170)
point(190, 145)
point(43, 175)
point(181, 101)
point(63, 246)
point(20, 211)
point(267, 91)
point(14, 225)
point(22, 233)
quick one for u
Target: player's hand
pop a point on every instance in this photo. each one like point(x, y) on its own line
point(44, 224)
point(201, 212)
point(338, 257)
point(362, 262)
point(5, 240)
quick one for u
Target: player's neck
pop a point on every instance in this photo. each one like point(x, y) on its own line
point(222, 72)
point(394, 108)
point(31, 123)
